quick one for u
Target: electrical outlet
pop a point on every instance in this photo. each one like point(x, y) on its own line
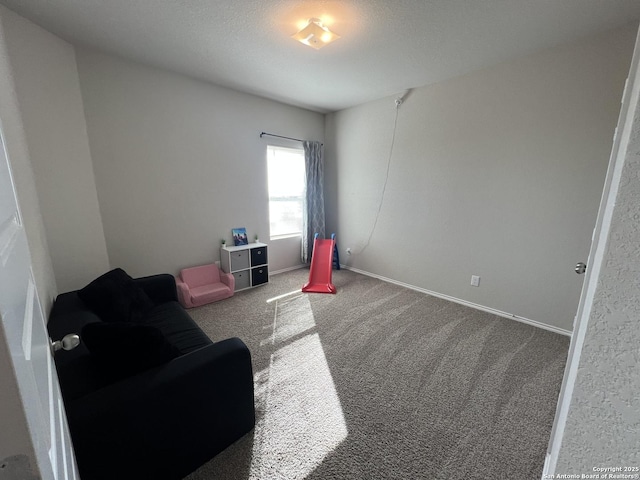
point(475, 281)
point(348, 250)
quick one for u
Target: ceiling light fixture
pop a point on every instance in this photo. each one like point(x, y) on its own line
point(315, 34)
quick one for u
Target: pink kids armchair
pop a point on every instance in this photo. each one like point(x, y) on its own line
point(205, 284)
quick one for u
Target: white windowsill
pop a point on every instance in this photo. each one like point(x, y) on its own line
point(286, 235)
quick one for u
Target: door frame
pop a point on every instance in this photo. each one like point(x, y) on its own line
point(630, 101)
point(45, 448)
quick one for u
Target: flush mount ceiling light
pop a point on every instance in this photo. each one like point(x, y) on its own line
point(315, 34)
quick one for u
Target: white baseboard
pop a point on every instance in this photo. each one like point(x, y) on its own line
point(289, 269)
point(500, 313)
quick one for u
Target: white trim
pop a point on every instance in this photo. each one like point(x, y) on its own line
point(493, 311)
point(53, 451)
point(289, 269)
point(63, 445)
point(235, 248)
point(8, 236)
point(296, 149)
point(286, 235)
point(27, 323)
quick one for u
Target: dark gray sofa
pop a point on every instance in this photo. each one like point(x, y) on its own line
point(161, 423)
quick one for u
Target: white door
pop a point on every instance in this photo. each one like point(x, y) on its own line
point(630, 99)
point(28, 343)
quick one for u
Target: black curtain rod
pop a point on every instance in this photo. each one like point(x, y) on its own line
point(281, 136)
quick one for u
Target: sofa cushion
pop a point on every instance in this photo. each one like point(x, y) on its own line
point(122, 349)
point(177, 326)
point(115, 297)
point(199, 276)
point(209, 293)
point(77, 373)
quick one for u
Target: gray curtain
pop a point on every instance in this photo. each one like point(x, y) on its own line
point(313, 212)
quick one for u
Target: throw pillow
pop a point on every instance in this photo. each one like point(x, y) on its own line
point(122, 349)
point(115, 297)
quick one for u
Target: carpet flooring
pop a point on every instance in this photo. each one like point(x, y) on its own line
point(383, 382)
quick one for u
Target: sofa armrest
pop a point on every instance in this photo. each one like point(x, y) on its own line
point(160, 288)
point(183, 294)
point(229, 280)
point(187, 410)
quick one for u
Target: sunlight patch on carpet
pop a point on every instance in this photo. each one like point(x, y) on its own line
point(284, 295)
point(302, 411)
point(292, 318)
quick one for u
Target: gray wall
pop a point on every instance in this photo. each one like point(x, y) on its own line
point(48, 94)
point(14, 430)
point(497, 173)
point(18, 152)
point(178, 163)
point(603, 423)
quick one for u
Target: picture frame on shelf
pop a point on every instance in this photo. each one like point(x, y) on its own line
point(240, 236)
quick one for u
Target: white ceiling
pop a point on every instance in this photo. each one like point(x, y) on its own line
point(387, 46)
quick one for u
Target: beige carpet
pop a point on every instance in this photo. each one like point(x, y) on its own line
point(382, 382)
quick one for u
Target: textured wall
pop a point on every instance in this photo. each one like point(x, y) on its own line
point(603, 425)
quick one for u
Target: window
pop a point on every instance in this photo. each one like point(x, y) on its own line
point(285, 168)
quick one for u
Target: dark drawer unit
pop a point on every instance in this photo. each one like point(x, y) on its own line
point(247, 263)
point(259, 275)
point(259, 256)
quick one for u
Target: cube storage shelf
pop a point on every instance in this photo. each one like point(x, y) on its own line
point(247, 263)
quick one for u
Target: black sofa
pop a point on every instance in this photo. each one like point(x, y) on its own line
point(159, 423)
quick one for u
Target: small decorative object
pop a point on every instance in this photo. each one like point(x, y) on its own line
point(223, 243)
point(240, 236)
point(257, 239)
